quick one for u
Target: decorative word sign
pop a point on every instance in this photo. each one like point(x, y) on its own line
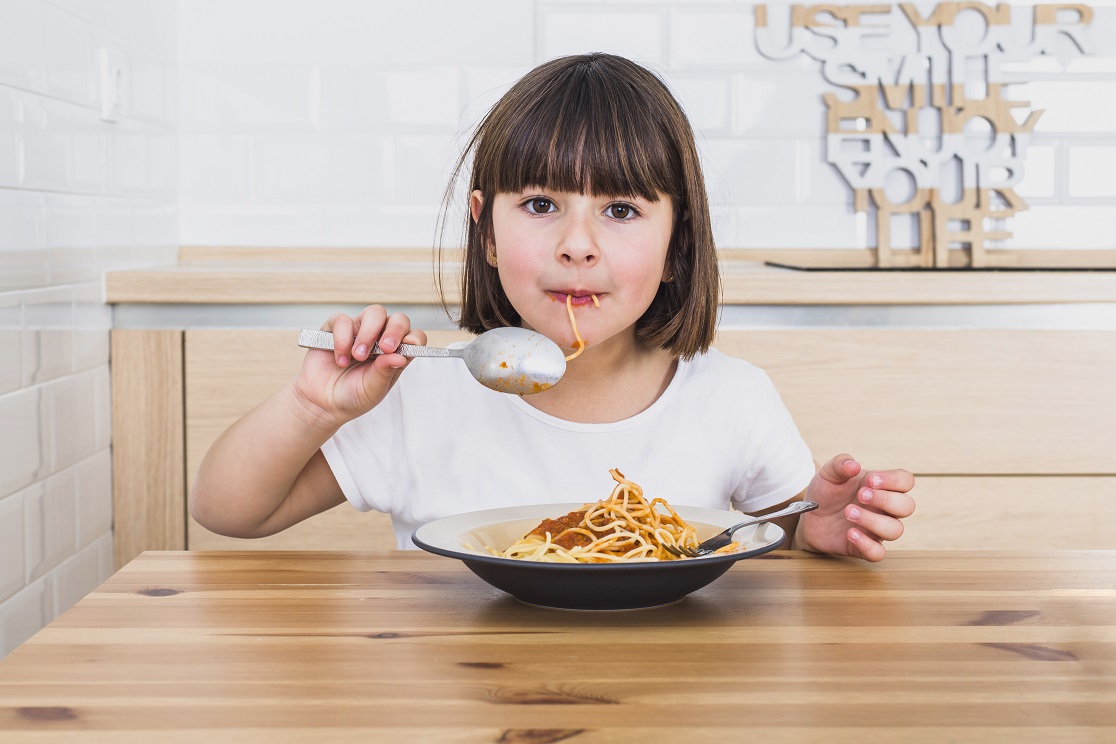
point(924, 111)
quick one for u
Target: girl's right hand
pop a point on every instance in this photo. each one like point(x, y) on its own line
point(336, 387)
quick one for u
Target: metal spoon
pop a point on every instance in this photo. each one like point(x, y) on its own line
point(507, 360)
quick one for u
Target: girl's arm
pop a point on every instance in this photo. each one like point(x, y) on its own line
point(266, 472)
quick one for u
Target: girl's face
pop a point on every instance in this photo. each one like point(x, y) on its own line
point(550, 245)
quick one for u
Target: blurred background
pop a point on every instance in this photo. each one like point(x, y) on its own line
point(130, 128)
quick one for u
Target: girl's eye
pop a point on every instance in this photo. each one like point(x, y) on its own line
point(621, 211)
point(539, 205)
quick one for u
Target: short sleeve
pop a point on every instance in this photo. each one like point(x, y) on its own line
point(361, 454)
point(780, 464)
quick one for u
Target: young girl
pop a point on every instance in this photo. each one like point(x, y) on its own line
point(588, 217)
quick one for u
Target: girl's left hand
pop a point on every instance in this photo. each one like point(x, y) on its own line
point(857, 509)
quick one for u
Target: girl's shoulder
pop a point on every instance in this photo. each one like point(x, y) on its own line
point(717, 365)
point(735, 383)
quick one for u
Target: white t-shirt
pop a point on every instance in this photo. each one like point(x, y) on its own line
point(440, 444)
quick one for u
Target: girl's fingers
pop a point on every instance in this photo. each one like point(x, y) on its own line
point(866, 545)
point(396, 328)
point(890, 480)
point(889, 502)
point(882, 525)
point(370, 324)
point(415, 338)
point(341, 326)
point(839, 469)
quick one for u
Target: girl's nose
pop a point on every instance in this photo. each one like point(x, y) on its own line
point(577, 243)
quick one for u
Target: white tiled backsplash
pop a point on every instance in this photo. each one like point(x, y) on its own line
point(334, 123)
point(78, 195)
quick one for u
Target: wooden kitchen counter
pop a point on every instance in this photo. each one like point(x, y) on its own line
point(406, 277)
point(346, 647)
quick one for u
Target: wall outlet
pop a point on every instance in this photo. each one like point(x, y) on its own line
point(113, 82)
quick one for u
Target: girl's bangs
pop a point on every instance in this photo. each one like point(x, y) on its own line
point(593, 139)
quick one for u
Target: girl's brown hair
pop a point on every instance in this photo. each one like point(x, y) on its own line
point(598, 124)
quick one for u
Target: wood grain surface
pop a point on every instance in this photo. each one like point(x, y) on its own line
point(408, 647)
point(149, 487)
point(395, 280)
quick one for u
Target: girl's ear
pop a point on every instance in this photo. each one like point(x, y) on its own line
point(476, 202)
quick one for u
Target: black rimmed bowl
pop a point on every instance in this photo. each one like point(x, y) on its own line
point(587, 586)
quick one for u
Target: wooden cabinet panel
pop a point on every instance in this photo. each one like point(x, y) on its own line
point(1012, 513)
point(148, 491)
point(995, 422)
point(947, 401)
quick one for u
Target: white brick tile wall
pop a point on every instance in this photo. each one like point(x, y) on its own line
point(279, 225)
point(77, 195)
point(215, 167)
point(48, 352)
point(1092, 171)
point(779, 226)
point(22, 615)
point(24, 439)
point(46, 143)
point(22, 36)
point(635, 32)
point(483, 87)
point(248, 97)
point(1040, 176)
point(102, 407)
point(1055, 227)
point(818, 181)
point(49, 523)
point(386, 226)
point(352, 31)
point(1072, 106)
point(426, 99)
point(324, 167)
point(71, 238)
point(24, 259)
point(69, 57)
point(780, 105)
point(308, 81)
point(713, 37)
point(75, 577)
point(707, 101)
point(11, 341)
point(93, 478)
point(73, 417)
point(11, 545)
point(92, 321)
point(732, 165)
point(10, 140)
point(422, 167)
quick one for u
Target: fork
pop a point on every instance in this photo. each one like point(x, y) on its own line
point(717, 542)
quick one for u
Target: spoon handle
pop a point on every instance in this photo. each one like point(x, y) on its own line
point(309, 338)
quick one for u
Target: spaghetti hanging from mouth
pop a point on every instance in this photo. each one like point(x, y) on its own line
point(580, 340)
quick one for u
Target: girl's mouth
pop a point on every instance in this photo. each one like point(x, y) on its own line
point(576, 297)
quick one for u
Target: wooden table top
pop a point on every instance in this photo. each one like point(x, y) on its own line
point(402, 647)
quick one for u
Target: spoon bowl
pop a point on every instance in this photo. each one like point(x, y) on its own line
point(507, 360)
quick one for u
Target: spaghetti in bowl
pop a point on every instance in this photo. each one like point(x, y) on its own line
point(587, 586)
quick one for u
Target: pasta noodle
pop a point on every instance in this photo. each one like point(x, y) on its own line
point(580, 340)
point(622, 528)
